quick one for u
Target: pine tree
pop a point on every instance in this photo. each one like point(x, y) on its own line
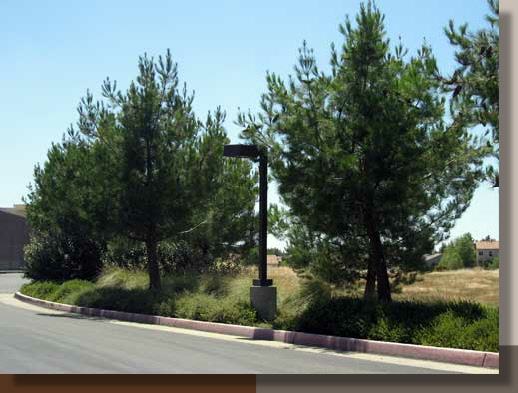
point(166, 167)
point(370, 172)
point(474, 86)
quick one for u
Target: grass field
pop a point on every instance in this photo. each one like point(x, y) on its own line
point(476, 285)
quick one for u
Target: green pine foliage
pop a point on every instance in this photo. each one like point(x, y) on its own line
point(370, 171)
point(66, 212)
point(475, 83)
point(140, 180)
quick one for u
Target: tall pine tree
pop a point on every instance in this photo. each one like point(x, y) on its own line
point(165, 167)
point(370, 172)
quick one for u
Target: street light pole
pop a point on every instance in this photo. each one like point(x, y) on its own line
point(263, 206)
point(263, 296)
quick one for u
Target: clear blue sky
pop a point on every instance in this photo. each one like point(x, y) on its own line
point(53, 51)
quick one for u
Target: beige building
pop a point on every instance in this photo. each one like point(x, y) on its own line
point(486, 250)
point(273, 260)
point(14, 235)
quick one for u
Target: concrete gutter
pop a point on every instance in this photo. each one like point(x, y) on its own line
point(448, 355)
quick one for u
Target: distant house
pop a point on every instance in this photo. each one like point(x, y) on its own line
point(273, 260)
point(486, 250)
point(14, 235)
point(432, 260)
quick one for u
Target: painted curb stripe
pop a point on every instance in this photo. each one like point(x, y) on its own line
point(448, 355)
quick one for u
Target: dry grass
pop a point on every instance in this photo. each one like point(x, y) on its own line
point(284, 278)
point(476, 285)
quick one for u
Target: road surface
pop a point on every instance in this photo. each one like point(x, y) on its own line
point(38, 340)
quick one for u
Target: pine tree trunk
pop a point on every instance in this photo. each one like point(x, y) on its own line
point(379, 264)
point(370, 286)
point(382, 276)
point(152, 264)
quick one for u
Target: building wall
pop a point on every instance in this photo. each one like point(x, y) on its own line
point(14, 236)
point(486, 254)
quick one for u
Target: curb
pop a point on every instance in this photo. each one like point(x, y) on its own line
point(447, 355)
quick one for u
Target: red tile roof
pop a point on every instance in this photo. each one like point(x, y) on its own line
point(484, 245)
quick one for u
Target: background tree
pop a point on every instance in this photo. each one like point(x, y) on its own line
point(460, 253)
point(475, 83)
point(142, 166)
point(65, 210)
point(451, 260)
point(166, 165)
point(465, 246)
point(231, 191)
point(364, 160)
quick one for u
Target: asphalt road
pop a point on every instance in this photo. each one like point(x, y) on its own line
point(38, 340)
point(11, 282)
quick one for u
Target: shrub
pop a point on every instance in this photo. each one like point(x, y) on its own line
point(209, 308)
point(451, 330)
point(62, 293)
point(214, 284)
point(228, 267)
point(494, 264)
point(177, 284)
point(55, 292)
point(167, 307)
point(123, 253)
point(459, 325)
point(57, 257)
point(173, 257)
point(140, 301)
point(451, 260)
point(40, 290)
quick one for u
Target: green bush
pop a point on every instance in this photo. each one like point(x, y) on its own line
point(167, 307)
point(123, 253)
point(55, 292)
point(140, 301)
point(215, 284)
point(494, 263)
point(67, 288)
point(209, 308)
point(460, 325)
point(40, 290)
point(56, 257)
point(177, 284)
point(451, 260)
point(173, 257)
point(451, 330)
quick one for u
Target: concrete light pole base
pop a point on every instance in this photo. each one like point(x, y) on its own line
point(264, 301)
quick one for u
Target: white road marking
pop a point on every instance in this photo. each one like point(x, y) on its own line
point(10, 300)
